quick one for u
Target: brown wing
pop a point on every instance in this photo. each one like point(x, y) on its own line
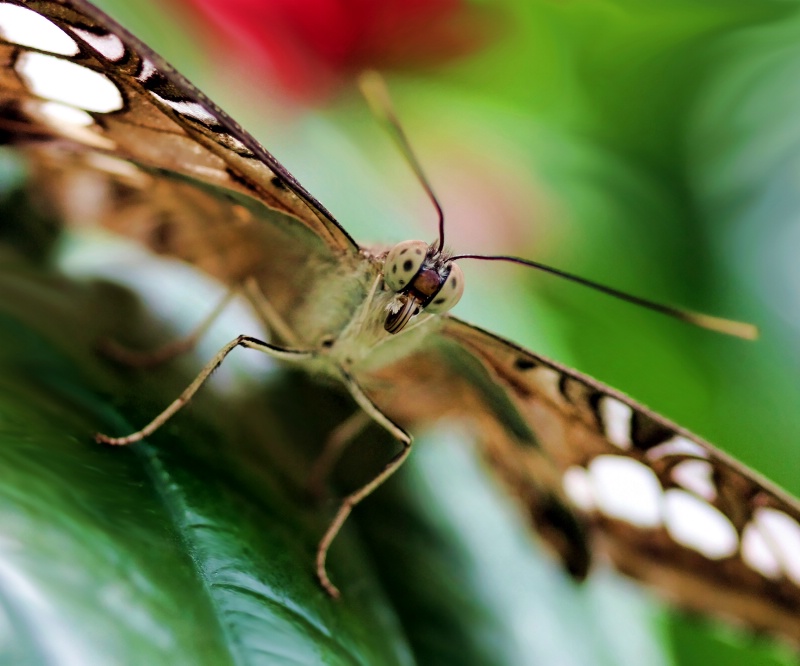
point(148, 113)
point(224, 233)
point(667, 507)
point(660, 503)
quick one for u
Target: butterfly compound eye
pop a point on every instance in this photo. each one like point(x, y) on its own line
point(403, 263)
point(450, 293)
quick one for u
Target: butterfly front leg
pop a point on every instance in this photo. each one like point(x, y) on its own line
point(275, 351)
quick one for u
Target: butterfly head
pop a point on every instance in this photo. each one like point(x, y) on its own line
point(424, 278)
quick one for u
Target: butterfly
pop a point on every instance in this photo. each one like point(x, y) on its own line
point(598, 475)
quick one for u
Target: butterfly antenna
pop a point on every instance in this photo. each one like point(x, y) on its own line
point(727, 326)
point(375, 91)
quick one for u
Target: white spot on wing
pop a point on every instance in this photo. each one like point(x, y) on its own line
point(677, 446)
point(757, 553)
point(547, 379)
point(578, 487)
point(61, 114)
point(782, 533)
point(626, 489)
point(697, 476)
point(68, 122)
point(22, 26)
point(698, 525)
point(108, 45)
point(616, 417)
point(190, 109)
point(63, 81)
point(117, 166)
point(148, 69)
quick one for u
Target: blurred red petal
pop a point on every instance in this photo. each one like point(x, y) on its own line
point(312, 45)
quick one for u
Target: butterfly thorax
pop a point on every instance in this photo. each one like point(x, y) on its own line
point(394, 306)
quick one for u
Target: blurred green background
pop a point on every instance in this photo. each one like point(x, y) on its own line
point(651, 146)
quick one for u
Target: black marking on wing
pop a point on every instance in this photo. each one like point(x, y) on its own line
point(593, 399)
point(556, 521)
point(237, 178)
point(563, 386)
point(524, 363)
point(646, 432)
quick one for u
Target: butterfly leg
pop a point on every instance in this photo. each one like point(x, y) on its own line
point(241, 341)
point(269, 315)
point(339, 439)
point(146, 359)
point(349, 502)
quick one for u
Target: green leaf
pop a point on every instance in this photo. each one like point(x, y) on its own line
point(179, 550)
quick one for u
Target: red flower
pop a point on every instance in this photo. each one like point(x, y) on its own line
point(312, 45)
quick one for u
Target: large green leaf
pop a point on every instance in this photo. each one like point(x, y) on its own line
point(184, 549)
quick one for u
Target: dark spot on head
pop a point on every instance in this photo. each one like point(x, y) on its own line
point(438, 301)
point(418, 251)
point(402, 282)
point(416, 311)
point(394, 269)
point(278, 183)
point(327, 342)
point(454, 282)
point(403, 251)
point(408, 265)
point(523, 363)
